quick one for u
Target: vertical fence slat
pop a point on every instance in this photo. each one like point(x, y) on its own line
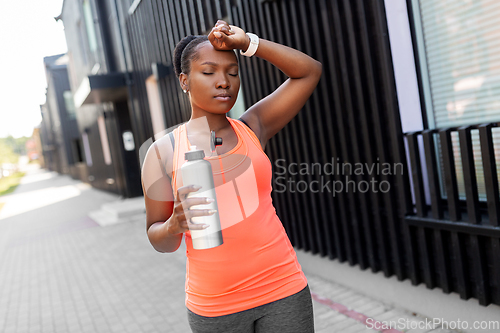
point(157, 45)
point(416, 172)
point(480, 270)
point(139, 77)
point(180, 105)
point(442, 262)
point(162, 35)
point(201, 16)
point(412, 237)
point(180, 12)
point(495, 275)
point(262, 65)
point(426, 258)
point(490, 173)
point(184, 14)
point(450, 174)
point(251, 96)
point(194, 21)
point(209, 13)
point(469, 171)
point(432, 173)
point(218, 11)
point(460, 265)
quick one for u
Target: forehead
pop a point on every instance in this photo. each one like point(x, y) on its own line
point(207, 53)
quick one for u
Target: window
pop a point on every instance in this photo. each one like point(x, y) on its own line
point(458, 46)
point(89, 24)
point(83, 49)
point(70, 105)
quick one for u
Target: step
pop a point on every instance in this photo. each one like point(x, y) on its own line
point(125, 207)
point(123, 210)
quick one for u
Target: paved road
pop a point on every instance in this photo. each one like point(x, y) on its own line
point(60, 271)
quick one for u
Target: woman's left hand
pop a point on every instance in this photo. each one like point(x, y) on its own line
point(227, 37)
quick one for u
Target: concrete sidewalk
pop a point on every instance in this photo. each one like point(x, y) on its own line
point(63, 271)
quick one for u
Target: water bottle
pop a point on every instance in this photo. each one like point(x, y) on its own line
point(198, 171)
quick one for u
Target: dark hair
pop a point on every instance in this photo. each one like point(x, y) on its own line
point(185, 52)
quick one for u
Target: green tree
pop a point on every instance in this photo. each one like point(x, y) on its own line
point(18, 145)
point(7, 154)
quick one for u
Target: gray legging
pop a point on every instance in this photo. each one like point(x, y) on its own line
point(292, 314)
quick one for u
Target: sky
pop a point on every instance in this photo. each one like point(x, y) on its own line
point(28, 33)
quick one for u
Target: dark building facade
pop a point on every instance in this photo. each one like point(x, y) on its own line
point(58, 130)
point(378, 221)
point(99, 80)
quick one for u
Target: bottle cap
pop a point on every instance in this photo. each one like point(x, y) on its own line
point(194, 154)
point(214, 141)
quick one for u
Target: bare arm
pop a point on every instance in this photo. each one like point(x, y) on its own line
point(269, 115)
point(167, 218)
point(158, 196)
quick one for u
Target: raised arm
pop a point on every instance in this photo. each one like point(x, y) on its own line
point(269, 115)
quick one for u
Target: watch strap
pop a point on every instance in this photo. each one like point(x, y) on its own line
point(252, 47)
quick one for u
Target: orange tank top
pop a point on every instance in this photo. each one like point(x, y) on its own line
point(256, 264)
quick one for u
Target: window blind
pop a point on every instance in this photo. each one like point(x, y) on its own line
point(461, 44)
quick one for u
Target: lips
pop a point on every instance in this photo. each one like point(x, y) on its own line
point(223, 97)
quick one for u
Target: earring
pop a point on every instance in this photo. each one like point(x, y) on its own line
point(185, 91)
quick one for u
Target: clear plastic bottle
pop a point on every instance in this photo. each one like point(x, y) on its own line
point(198, 171)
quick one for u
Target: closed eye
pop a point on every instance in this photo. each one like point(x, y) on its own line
point(212, 73)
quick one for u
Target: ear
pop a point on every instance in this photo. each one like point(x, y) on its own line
point(183, 80)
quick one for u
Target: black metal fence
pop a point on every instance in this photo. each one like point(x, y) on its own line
point(457, 240)
point(351, 119)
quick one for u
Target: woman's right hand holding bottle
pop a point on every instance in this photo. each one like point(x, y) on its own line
point(180, 221)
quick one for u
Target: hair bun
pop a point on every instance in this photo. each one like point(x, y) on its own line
point(178, 52)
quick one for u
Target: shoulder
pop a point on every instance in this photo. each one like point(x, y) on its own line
point(253, 123)
point(163, 149)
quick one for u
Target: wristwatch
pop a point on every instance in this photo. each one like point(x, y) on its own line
point(254, 44)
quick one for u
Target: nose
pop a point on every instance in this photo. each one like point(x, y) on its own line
point(223, 81)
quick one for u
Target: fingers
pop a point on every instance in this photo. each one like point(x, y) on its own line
point(183, 191)
point(224, 37)
point(219, 32)
point(186, 204)
point(190, 213)
point(222, 26)
point(188, 223)
point(185, 214)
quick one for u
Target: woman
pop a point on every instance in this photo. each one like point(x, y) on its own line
point(253, 281)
